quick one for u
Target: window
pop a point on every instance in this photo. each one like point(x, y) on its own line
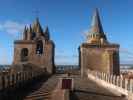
point(33, 35)
point(39, 47)
point(24, 54)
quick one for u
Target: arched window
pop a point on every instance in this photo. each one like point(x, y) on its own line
point(24, 54)
point(39, 47)
point(33, 35)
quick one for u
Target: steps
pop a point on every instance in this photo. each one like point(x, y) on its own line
point(44, 92)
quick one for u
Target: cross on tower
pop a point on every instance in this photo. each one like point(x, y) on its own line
point(36, 12)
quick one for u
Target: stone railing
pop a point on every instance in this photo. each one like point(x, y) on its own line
point(11, 80)
point(118, 82)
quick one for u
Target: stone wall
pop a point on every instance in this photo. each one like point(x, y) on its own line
point(101, 58)
point(45, 60)
point(9, 79)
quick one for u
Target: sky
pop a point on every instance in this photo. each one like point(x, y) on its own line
point(68, 20)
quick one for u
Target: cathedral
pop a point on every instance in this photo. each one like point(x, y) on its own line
point(97, 53)
point(35, 47)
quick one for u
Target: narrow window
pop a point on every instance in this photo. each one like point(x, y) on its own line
point(24, 54)
point(39, 48)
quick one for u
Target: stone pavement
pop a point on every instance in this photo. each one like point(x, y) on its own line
point(85, 89)
point(44, 91)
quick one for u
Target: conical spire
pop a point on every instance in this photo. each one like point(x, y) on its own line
point(29, 33)
point(30, 29)
point(37, 23)
point(46, 33)
point(96, 33)
point(96, 26)
point(37, 27)
point(25, 33)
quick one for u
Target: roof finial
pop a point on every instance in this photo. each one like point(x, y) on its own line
point(25, 33)
point(37, 21)
point(46, 33)
point(36, 17)
point(29, 29)
point(36, 12)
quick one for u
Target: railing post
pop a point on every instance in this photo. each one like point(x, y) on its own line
point(26, 77)
point(22, 77)
point(3, 82)
point(101, 75)
point(110, 80)
point(17, 79)
point(106, 77)
point(114, 80)
point(121, 82)
point(8, 80)
point(117, 81)
point(13, 79)
point(128, 85)
point(131, 85)
point(126, 82)
point(20, 80)
point(96, 74)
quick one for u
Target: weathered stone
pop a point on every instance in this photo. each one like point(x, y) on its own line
point(97, 53)
point(35, 48)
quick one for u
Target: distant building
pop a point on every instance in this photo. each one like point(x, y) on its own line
point(97, 53)
point(35, 47)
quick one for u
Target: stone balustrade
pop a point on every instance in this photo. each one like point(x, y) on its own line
point(12, 80)
point(118, 81)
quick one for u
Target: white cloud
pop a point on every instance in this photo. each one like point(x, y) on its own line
point(12, 28)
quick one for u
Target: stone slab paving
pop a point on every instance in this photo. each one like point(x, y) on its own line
point(85, 89)
point(44, 91)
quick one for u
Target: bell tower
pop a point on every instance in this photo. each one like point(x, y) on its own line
point(36, 47)
point(97, 53)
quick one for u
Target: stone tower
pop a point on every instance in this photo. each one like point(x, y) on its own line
point(35, 47)
point(97, 53)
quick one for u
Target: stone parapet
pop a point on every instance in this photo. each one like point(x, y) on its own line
point(113, 83)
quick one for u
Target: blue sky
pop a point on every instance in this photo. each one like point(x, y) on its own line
point(68, 20)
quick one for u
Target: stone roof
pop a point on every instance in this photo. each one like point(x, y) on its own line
point(35, 31)
point(96, 31)
point(96, 26)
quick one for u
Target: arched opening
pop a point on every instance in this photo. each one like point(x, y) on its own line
point(33, 35)
point(24, 54)
point(39, 47)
